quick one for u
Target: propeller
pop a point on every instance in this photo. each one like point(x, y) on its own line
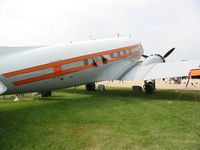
point(165, 56)
point(169, 52)
point(145, 56)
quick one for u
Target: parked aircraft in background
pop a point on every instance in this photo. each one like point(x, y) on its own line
point(46, 68)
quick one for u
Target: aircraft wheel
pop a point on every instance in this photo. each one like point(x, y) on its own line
point(46, 94)
point(149, 87)
point(90, 87)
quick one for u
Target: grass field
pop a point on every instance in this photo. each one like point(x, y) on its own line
point(115, 119)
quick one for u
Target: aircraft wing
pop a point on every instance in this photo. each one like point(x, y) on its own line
point(161, 70)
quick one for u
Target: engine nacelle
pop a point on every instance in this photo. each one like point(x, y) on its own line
point(155, 58)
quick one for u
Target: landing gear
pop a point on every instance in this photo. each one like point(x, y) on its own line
point(90, 86)
point(46, 93)
point(150, 86)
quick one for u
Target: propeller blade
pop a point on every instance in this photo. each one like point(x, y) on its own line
point(169, 52)
point(145, 56)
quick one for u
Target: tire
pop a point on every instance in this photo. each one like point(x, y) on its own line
point(149, 87)
point(90, 87)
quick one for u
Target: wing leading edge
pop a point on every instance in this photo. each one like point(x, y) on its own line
point(161, 70)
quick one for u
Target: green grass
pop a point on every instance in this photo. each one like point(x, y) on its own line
point(115, 119)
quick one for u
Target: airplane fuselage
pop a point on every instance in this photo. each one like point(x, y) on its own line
point(67, 65)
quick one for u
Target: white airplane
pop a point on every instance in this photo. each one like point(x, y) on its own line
point(46, 68)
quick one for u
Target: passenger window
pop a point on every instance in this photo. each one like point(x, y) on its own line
point(85, 62)
point(97, 59)
point(121, 53)
point(90, 61)
point(100, 58)
point(72, 65)
point(112, 55)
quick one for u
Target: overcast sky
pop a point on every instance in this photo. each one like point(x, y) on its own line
point(158, 24)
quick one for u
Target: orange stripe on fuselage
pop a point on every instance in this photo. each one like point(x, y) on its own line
point(52, 75)
point(57, 68)
point(59, 63)
point(67, 71)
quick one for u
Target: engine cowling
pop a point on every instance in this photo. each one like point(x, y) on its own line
point(155, 58)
